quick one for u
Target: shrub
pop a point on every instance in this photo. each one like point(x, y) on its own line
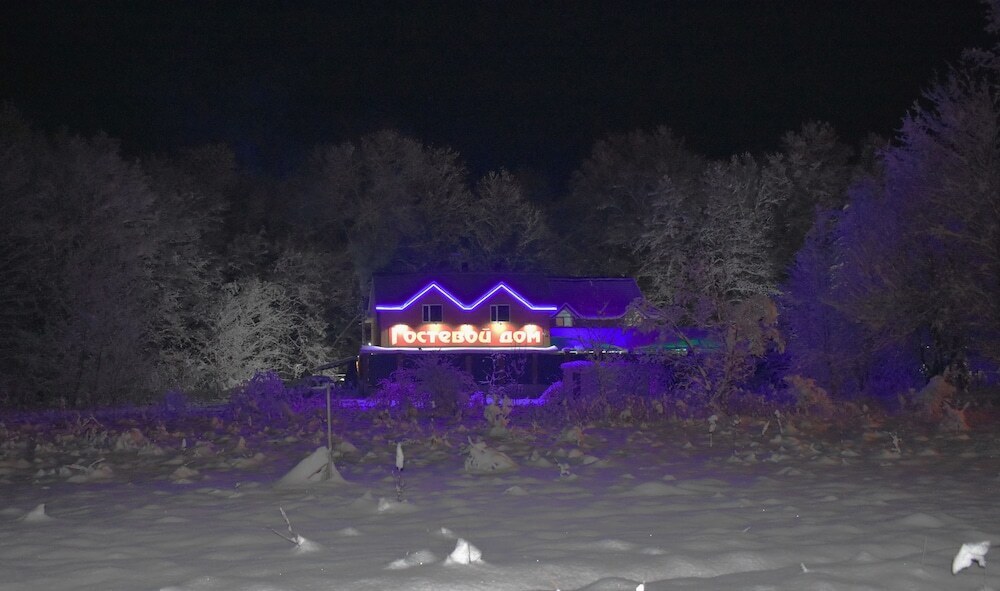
point(399, 394)
point(503, 374)
point(749, 403)
point(265, 396)
point(430, 382)
point(810, 398)
point(497, 415)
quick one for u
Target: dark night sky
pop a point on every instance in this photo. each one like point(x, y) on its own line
point(506, 84)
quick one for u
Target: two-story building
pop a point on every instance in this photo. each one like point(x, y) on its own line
point(474, 316)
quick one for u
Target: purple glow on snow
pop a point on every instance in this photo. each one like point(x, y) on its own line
point(469, 307)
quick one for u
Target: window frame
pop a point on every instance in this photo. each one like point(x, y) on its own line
point(495, 312)
point(428, 316)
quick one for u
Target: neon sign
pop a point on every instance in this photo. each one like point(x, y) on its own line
point(437, 335)
point(433, 285)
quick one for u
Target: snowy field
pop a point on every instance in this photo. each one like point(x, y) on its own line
point(667, 505)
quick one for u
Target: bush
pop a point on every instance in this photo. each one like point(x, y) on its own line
point(264, 396)
point(810, 398)
point(430, 382)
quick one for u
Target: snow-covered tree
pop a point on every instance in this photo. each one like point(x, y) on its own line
point(256, 326)
point(315, 289)
point(735, 240)
point(823, 343)
point(707, 265)
point(713, 239)
point(503, 231)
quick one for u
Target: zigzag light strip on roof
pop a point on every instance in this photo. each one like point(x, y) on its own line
point(473, 305)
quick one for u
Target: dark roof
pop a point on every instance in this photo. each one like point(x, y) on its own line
point(594, 297)
point(586, 297)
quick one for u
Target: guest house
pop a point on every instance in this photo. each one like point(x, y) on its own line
point(477, 317)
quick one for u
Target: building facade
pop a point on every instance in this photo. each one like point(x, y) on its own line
point(477, 316)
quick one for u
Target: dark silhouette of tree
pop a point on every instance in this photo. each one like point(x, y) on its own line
point(816, 169)
point(503, 231)
point(390, 201)
point(194, 194)
point(906, 285)
point(85, 242)
point(942, 183)
point(614, 191)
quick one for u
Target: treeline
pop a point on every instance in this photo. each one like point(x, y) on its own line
point(866, 268)
point(123, 279)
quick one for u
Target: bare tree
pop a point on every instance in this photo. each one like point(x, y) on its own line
point(614, 191)
point(391, 201)
point(708, 268)
point(83, 241)
point(503, 231)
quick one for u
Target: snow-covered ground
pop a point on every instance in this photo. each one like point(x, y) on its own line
point(669, 505)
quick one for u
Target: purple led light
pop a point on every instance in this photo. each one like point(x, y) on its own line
point(469, 307)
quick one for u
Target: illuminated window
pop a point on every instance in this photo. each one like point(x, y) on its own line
point(432, 313)
point(500, 313)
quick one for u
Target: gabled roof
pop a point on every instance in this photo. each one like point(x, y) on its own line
point(594, 297)
point(585, 297)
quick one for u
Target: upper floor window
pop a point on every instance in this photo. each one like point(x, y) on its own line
point(500, 313)
point(433, 313)
point(564, 318)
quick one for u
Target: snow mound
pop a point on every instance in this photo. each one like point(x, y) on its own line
point(305, 546)
point(388, 506)
point(316, 467)
point(133, 439)
point(418, 558)
point(483, 459)
point(464, 553)
point(920, 520)
point(613, 584)
point(36, 515)
point(656, 489)
point(91, 473)
point(183, 475)
point(969, 553)
point(253, 461)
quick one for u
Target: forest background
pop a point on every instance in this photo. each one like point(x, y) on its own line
point(868, 269)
